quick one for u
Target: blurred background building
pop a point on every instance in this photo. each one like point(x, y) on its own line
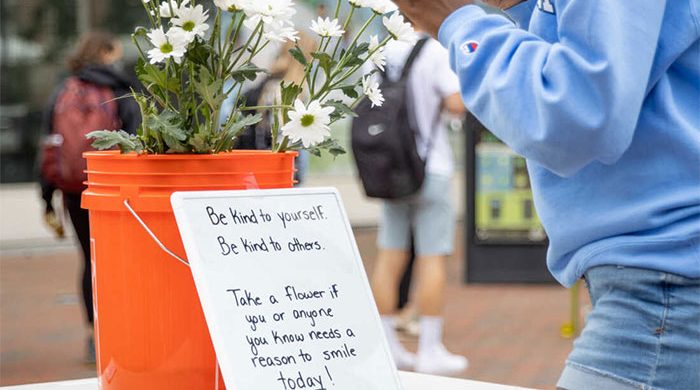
point(35, 38)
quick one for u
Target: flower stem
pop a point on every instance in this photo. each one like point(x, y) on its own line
point(356, 67)
point(271, 107)
point(247, 44)
point(345, 29)
point(231, 41)
point(313, 80)
point(337, 9)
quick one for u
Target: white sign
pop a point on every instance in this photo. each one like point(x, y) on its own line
point(283, 290)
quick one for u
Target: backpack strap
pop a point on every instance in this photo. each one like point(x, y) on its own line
point(406, 71)
point(412, 57)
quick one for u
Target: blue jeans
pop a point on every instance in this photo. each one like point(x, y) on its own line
point(643, 332)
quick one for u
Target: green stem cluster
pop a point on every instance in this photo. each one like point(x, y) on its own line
point(185, 96)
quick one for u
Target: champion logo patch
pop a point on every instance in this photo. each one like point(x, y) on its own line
point(469, 47)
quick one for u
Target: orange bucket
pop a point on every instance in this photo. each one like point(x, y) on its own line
point(150, 331)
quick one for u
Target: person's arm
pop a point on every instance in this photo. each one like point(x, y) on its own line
point(562, 105)
point(454, 104)
point(445, 81)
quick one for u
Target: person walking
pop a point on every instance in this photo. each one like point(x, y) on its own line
point(427, 215)
point(603, 100)
point(93, 97)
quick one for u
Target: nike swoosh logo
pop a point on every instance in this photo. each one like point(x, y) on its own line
point(375, 130)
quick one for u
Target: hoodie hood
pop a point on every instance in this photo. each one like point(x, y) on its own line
point(104, 75)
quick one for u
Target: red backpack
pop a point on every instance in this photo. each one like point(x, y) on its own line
point(81, 107)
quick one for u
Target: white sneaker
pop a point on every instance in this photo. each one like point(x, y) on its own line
point(440, 361)
point(404, 360)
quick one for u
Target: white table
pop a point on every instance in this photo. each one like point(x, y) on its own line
point(410, 381)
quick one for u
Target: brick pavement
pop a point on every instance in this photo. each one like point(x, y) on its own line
point(510, 333)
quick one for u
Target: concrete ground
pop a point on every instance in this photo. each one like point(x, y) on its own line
point(510, 333)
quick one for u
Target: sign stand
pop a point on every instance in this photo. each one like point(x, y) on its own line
point(283, 290)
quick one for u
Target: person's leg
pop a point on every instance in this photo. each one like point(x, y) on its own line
point(434, 238)
point(393, 241)
point(81, 224)
point(432, 279)
point(643, 332)
point(406, 278)
point(386, 277)
point(407, 317)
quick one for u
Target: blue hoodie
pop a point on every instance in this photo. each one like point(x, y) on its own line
point(603, 100)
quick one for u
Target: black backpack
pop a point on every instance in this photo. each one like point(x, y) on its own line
point(384, 140)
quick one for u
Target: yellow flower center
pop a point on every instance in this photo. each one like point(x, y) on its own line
point(307, 120)
point(166, 48)
point(188, 26)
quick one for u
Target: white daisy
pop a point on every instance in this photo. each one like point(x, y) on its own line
point(171, 45)
point(399, 29)
point(327, 27)
point(270, 10)
point(280, 31)
point(378, 58)
point(192, 20)
point(372, 91)
point(169, 9)
point(232, 5)
point(383, 6)
point(308, 124)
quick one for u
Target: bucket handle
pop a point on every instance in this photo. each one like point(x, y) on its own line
point(153, 236)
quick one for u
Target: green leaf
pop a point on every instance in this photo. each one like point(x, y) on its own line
point(246, 72)
point(200, 53)
point(341, 110)
point(229, 134)
point(350, 91)
point(330, 145)
point(153, 75)
point(355, 55)
point(289, 93)
point(201, 142)
point(337, 151)
point(167, 122)
point(325, 61)
point(108, 139)
point(209, 88)
point(298, 55)
point(168, 126)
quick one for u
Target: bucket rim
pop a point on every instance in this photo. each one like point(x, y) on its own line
point(158, 174)
point(92, 185)
point(115, 154)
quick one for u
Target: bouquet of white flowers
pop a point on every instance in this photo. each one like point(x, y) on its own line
point(190, 68)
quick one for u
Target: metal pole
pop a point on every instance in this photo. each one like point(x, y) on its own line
point(573, 327)
point(84, 8)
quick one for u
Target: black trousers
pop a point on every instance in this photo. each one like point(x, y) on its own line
point(81, 223)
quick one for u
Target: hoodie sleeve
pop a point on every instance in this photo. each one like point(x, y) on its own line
point(566, 104)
